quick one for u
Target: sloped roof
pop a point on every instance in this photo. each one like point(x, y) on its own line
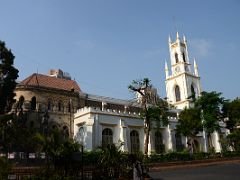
point(40, 80)
point(112, 100)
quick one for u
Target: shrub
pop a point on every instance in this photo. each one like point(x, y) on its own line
point(4, 167)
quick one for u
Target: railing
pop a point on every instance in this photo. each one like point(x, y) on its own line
point(32, 165)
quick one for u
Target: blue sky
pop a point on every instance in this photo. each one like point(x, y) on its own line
point(105, 44)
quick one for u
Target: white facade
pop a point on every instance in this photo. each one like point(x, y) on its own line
point(90, 123)
point(94, 121)
point(181, 82)
point(95, 126)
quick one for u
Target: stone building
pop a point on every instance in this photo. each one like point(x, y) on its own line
point(48, 101)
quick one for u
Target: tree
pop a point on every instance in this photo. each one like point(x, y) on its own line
point(8, 76)
point(189, 124)
point(16, 136)
point(231, 111)
point(5, 167)
point(59, 151)
point(154, 109)
point(234, 139)
point(111, 161)
point(210, 105)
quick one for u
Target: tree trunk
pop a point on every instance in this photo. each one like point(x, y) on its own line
point(146, 140)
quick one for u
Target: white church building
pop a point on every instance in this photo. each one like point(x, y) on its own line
point(95, 127)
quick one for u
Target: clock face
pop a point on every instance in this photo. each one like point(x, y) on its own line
point(177, 69)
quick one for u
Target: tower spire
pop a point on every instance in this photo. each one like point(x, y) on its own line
point(184, 38)
point(177, 35)
point(178, 38)
point(169, 39)
point(195, 67)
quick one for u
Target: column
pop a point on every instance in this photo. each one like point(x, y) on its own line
point(205, 141)
point(216, 143)
point(167, 138)
point(123, 135)
point(89, 136)
point(150, 143)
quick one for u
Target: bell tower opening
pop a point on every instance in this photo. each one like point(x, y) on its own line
point(177, 93)
point(176, 58)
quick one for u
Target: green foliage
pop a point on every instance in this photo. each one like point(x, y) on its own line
point(234, 139)
point(189, 122)
point(8, 76)
point(231, 154)
point(225, 144)
point(210, 103)
point(60, 153)
point(138, 85)
point(91, 157)
point(16, 136)
point(57, 147)
point(206, 114)
point(111, 161)
point(178, 156)
point(4, 168)
point(231, 111)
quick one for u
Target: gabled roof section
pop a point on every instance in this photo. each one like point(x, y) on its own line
point(40, 80)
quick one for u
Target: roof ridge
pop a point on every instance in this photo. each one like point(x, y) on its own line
point(37, 80)
point(42, 80)
point(30, 78)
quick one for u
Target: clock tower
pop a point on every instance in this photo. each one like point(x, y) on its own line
point(182, 85)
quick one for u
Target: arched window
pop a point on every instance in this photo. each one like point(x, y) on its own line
point(60, 105)
point(176, 57)
point(193, 92)
point(177, 93)
point(179, 145)
point(50, 105)
point(20, 102)
point(80, 135)
point(159, 146)
point(55, 126)
point(135, 144)
point(107, 137)
point(33, 103)
point(183, 56)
